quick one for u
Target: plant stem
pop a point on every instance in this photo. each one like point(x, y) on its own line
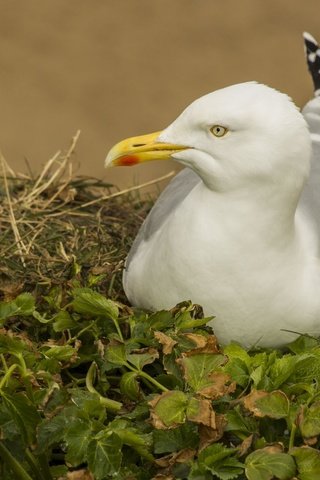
point(292, 435)
point(4, 363)
point(34, 464)
point(145, 375)
point(116, 324)
point(111, 405)
point(8, 374)
point(15, 466)
point(72, 339)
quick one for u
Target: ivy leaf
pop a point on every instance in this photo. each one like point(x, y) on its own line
point(134, 439)
point(143, 357)
point(185, 321)
point(282, 369)
point(89, 302)
point(50, 431)
point(308, 462)
point(309, 420)
point(22, 305)
point(235, 351)
point(197, 369)
point(168, 441)
point(116, 354)
point(13, 344)
point(129, 385)
point(7, 310)
point(238, 371)
point(25, 303)
point(161, 320)
point(219, 461)
point(63, 321)
point(88, 404)
point(62, 353)
point(264, 404)
point(307, 368)
point(168, 410)
point(303, 344)
point(104, 455)
point(77, 438)
point(237, 422)
point(199, 410)
point(265, 465)
point(23, 413)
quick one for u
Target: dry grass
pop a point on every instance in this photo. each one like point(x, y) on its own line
point(58, 228)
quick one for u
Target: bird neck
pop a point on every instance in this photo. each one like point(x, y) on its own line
point(263, 212)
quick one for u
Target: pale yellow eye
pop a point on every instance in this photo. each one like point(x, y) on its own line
point(218, 130)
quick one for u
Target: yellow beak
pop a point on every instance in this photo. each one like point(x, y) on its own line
point(143, 148)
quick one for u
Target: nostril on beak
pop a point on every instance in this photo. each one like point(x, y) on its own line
point(138, 145)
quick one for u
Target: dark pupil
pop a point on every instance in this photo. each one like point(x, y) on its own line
point(218, 129)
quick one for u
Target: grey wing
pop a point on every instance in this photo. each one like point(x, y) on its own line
point(310, 199)
point(170, 198)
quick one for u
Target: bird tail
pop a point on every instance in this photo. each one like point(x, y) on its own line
point(312, 52)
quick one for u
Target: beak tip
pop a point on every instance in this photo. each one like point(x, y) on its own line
point(108, 161)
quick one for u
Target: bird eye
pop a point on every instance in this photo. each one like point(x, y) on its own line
point(218, 130)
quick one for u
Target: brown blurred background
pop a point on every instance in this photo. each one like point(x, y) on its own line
point(116, 68)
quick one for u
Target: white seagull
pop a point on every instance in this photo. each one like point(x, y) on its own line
point(238, 230)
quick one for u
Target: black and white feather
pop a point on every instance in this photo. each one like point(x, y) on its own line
point(312, 51)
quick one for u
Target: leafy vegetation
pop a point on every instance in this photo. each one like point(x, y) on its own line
point(91, 389)
point(89, 384)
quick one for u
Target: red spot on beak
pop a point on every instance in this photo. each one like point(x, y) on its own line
point(128, 160)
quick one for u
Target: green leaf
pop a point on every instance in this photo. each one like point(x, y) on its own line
point(308, 462)
point(116, 354)
point(169, 409)
point(63, 321)
point(263, 465)
point(23, 305)
point(185, 321)
point(134, 439)
point(309, 420)
point(13, 345)
point(7, 310)
point(170, 364)
point(303, 344)
point(237, 422)
point(235, 351)
point(51, 431)
point(238, 371)
point(104, 455)
point(220, 461)
point(61, 353)
point(41, 318)
point(77, 438)
point(197, 369)
point(139, 360)
point(282, 369)
point(129, 385)
point(161, 320)
point(15, 467)
point(88, 404)
point(24, 414)
point(89, 302)
point(273, 405)
point(167, 441)
point(307, 368)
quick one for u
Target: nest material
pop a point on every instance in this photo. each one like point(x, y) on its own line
point(57, 228)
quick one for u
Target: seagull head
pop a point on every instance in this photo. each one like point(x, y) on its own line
point(240, 136)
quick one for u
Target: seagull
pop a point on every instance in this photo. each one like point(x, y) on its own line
point(238, 230)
